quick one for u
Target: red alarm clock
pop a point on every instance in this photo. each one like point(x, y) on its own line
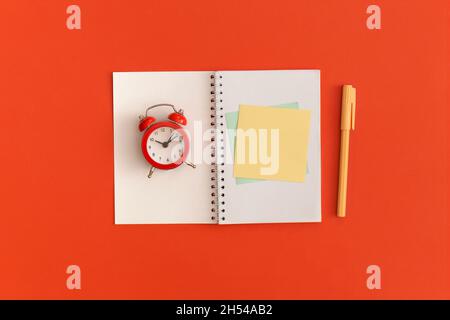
point(165, 144)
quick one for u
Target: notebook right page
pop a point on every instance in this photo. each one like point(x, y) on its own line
point(268, 201)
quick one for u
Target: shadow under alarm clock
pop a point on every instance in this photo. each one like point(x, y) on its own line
point(165, 144)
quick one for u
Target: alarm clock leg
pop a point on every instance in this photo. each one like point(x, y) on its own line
point(190, 164)
point(150, 173)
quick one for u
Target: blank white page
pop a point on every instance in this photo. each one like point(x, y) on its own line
point(181, 195)
point(273, 201)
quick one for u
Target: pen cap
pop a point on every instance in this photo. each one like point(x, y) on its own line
point(348, 107)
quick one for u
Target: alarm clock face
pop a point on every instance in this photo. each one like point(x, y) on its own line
point(165, 145)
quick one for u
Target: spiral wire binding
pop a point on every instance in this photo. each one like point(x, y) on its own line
point(217, 149)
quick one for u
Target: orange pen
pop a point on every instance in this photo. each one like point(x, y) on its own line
point(347, 123)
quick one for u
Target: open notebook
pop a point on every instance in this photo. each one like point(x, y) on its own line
point(211, 193)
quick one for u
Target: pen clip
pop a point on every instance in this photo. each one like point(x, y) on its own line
point(353, 107)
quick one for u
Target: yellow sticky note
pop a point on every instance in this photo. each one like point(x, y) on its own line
point(272, 143)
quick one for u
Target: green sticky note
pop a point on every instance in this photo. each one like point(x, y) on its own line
point(232, 122)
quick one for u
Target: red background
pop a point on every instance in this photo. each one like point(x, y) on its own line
point(56, 140)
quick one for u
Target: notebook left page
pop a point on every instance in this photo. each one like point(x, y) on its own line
point(180, 195)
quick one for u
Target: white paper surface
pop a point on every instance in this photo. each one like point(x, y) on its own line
point(181, 195)
point(274, 201)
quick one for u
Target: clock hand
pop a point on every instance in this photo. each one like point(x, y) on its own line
point(159, 142)
point(171, 138)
